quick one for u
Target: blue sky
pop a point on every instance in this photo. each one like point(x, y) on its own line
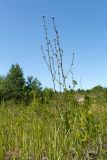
point(82, 25)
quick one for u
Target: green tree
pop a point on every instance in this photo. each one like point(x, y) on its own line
point(33, 88)
point(14, 83)
point(48, 94)
point(2, 87)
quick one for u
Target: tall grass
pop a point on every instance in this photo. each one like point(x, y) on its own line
point(38, 132)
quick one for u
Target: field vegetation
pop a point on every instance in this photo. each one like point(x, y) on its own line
point(35, 124)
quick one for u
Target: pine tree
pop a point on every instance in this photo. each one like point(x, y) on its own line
point(14, 83)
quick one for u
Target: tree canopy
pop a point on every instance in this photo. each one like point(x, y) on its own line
point(15, 87)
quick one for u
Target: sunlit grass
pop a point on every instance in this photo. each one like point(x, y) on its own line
point(38, 132)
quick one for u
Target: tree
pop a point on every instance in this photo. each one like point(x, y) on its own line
point(33, 88)
point(48, 94)
point(2, 87)
point(14, 83)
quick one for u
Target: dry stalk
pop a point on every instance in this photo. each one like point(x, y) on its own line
point(54, 59)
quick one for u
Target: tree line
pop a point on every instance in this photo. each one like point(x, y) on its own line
point(15, 87)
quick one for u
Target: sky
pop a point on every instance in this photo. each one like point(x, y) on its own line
point(82, 26)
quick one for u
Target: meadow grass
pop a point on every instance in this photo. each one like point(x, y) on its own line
point(38, 132)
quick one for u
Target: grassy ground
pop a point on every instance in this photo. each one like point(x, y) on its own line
point(38, 132)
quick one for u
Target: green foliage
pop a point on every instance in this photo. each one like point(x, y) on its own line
point(53, 125)
point(14, 83)
point(32, 90)
point(48, 95)
point(2, 87)
point(39, 131)
point(14, 87)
